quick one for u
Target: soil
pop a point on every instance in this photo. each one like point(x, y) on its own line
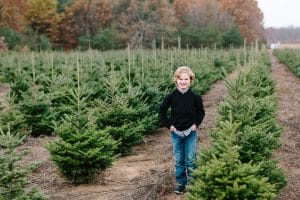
point(4, 89)
point(288, 95)
point(148, 173)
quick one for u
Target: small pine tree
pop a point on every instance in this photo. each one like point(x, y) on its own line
point(125, 123)
point(13, 176)
point(237, 165)
point(81, 151)
point(228, 178)
point(222, 175)
point(12, 117)
point(36, 107)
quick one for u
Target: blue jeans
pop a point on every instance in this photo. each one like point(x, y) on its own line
point(184, 149)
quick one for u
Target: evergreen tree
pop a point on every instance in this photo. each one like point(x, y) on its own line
point(12, 38)
point(12, 117)
point(232, 38)
point(81, 151)
point(238, 164)
point(36, 107)
point(223, 176)
point(13, 176)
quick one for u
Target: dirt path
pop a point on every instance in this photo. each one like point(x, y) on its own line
point(288, 94)
point(4, 89)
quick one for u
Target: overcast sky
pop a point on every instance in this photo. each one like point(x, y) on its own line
point(280, 13)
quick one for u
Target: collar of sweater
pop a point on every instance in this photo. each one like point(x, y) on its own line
point(183, 91)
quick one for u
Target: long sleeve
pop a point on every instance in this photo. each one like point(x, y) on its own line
point(200, 113)
point(163, 112)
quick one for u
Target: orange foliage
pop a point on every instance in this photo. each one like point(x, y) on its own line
point(83, 17)
point(144, 21)
point(199, 13)
point(13, 14)
point(180, 7)
point(161, 12)
point(42, 17)
point(247, 16)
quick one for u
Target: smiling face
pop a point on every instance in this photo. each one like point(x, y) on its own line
point(183, 77)
point(183, 81)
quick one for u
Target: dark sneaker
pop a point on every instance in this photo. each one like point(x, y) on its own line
point(179, 190)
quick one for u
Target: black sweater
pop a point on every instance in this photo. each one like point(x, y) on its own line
point(186, 110)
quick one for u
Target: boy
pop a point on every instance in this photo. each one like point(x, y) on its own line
point(187, 113)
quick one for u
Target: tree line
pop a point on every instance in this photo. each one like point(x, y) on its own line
point(283, 35)
point(107, 24)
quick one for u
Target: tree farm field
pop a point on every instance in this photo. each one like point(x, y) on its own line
point(289, 45)
point(118, 88)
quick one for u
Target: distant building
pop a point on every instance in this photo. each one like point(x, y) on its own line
point(275, 45)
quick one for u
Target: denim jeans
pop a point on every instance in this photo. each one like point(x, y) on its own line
point(184, 148)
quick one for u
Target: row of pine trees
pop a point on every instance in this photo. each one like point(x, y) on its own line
point(240, 164)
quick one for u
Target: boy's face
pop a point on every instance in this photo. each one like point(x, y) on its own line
point(184, 81)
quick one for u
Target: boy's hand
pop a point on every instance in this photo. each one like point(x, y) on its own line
point(172, 128)
point(194, 127)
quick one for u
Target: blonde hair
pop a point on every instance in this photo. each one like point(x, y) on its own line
point(183, 69)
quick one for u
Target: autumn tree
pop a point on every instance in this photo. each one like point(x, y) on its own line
point(83, 18)
point(197, 12)
point(42, 17)
point(12, 14)
point(180, 7)
point(144, 21)
point(201, 22)
point(162, 22)
point(247, 16)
